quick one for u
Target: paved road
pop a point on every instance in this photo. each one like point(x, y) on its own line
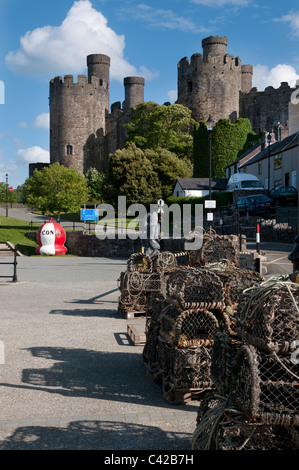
point(72, 378)
point(277, 257)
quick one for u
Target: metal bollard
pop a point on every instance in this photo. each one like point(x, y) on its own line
point(294, 256)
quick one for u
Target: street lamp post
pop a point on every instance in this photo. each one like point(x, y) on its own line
point(210, 124)
point(6, 194)
point(269, 143)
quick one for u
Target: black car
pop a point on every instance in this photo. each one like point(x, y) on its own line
point(285, 195)
point(257, 204)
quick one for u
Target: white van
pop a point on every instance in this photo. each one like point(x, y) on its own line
point(243, 181)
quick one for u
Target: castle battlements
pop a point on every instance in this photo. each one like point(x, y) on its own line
point(69, 81)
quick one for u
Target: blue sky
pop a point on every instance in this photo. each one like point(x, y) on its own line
point(43, 39)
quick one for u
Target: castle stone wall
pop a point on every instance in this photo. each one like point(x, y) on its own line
point(265, 109)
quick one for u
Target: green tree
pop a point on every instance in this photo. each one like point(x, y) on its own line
point(131, 174)
point(6, 194)
point(169, 168)
point(56, 190)
point(229, 141)
point(165, 126)
point(95, 182)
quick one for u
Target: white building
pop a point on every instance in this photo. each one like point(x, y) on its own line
point(197, 187)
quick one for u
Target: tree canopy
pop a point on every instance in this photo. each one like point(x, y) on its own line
point(95, 182)
point(168, 167)
point(162, 126)
point(131, 174)
point(55, 190)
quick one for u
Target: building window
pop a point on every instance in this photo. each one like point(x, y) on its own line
point(190, 84)
point(260, 167)
point(69, 150)
point(278, 161)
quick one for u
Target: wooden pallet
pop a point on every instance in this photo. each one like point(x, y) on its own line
point(183, 396)
point(128, 314)
point(136, 331)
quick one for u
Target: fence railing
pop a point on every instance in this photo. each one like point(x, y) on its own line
point(13, 263)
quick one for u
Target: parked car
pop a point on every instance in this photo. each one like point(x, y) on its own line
point(285, 195)
point(257, 204)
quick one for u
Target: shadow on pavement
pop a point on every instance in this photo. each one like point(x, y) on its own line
point(78, 312)
point(96, 435)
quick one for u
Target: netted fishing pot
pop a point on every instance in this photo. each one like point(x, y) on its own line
point(140, 262)
point(265, 372)
point(156, 304)
point(238, 281)
point(137, 283)
point(164, 261)
point(268, 315)
point(185, 370)
point(128, 303)
point(222, 426)
point(194, 288)
point(188, 328)
point(214, 249)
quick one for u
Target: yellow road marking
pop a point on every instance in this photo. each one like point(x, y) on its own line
point(274, 260)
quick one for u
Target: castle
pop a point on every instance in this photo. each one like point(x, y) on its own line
point(83, 131)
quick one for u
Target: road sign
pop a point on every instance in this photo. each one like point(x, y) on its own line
point(89, 214)
point(209, 204)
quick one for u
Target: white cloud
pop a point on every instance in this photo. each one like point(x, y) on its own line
point(263, 76)
point(161, 19)
point(42, 121)
point(222, 3)
point(293, 19)
point(173, 94)
point(33, 154)
point(57, 50)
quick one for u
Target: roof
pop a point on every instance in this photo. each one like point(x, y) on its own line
point(246, 156)
point(202, 183)
point(286, 144)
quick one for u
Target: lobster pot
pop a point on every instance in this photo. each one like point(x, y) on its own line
point(235, 284)
point(221, 426)
point(152, 331)
point(188, 328)
point(136, 283)
point(185, 369)
point(196, 288)
point(164, 262)
point(140, 262)
point(268, 317)
point(128, 303)
point(225, 347)
point(234, 280)
point(215, 248)
point(136, 288)
point(265, 387)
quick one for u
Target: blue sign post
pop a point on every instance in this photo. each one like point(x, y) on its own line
point(90, 215)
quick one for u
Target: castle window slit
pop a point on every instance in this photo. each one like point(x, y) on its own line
point(69, 150)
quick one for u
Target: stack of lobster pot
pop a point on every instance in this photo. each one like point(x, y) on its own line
point(144, 277)
point(181, 331)
point(256, 372)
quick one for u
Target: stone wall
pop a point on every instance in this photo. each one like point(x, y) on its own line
point(265, 109)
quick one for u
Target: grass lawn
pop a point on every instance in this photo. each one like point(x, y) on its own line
point(14, 231)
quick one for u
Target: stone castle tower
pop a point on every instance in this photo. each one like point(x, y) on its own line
point(216, 83)
point(211, 82)
point(82, 131)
